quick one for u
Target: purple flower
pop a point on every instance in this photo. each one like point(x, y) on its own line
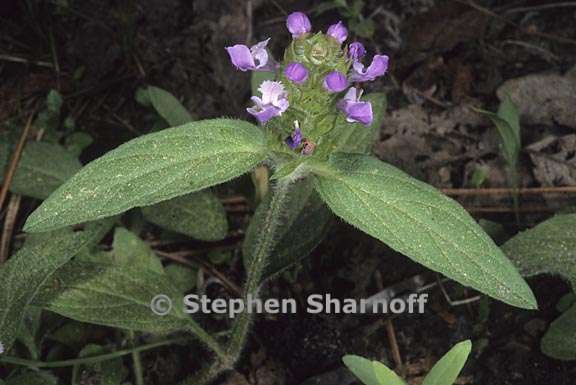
point(298, 24)
point(295, 139)
point(254, 58)
point(338, 31)
point(296, 72)
point(356, 110)
point(273, 103)
point(355, 51)
point(378, 67)
point(335, 82)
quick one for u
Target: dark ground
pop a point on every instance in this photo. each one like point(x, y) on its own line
point(445, 55)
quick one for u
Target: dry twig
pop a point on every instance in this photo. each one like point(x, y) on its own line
point(15, 159)
point(8, 229)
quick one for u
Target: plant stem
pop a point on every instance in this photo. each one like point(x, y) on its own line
point(271, 224)
point(207, 340)
point(87, 360)
point(137, 362)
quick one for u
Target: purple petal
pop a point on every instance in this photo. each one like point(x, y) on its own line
point(264, 114)
point(298, 24)
point(260, 55)
point(356, 51)
point(356, 110)
point(295, 139)
point(360, 112)
point(241, 57)
point(273, 103)
point(335, 82)
point(338, 31)
point(377, 68)
point(296, 72)
point(273, 93)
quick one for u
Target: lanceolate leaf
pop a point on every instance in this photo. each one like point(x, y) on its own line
point(199, 215)
point(129, 249)
point(548, 248)
point(115, 289)
point(113, 295)
point(168, 107)
point(420, 222)
point(305, 223)
point(24, 273)
point(446, 371)
point(507, 122)
point(386, 376)
point(559, 342)
point(153, 168)
point(42, 168)
point(362, 368)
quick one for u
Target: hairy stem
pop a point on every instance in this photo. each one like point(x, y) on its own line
point(272, 223)
point(208, 340)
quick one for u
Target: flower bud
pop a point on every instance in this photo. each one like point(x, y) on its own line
point(338, 31)
point(335, 82)
point(298, 24)
point(296, 72)
point(356, 51)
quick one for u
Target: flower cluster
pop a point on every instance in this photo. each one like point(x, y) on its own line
point(316, 72)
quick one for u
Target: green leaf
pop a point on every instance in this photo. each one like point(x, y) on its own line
point(305, 224)
point(151, 169)
point(24, 273)
point(116, 289)
point(566, 301)
point(54, 101)
point(386, 376)
point(168, 107)
point(78, 142)
point(129, 249)
point(559, 342)
point(199, 215)
point(548, 248)
point(113, 295)
point(28, 331)
point(418, 221)
point(42, 168)
point(362, 368)
point(33, 378)
point(182, 277)
point(446, 371)
point(507, 122)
